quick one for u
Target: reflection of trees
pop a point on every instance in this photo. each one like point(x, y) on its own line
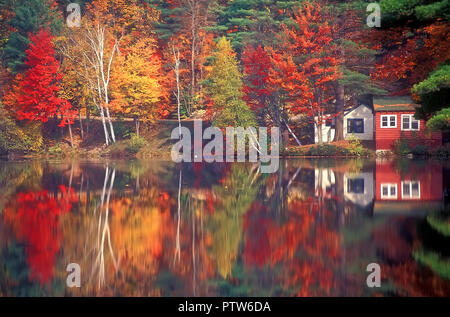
point(139, 229)
point(434, 251)
point(237, 191)
point(16, 174)
point(308, 249)
point(35, 219)
point(118, 234)
point(103, 230)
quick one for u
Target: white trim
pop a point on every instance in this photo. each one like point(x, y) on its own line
point(388, 116)
point(410, 183)
point(389, 186)
point(411, 118)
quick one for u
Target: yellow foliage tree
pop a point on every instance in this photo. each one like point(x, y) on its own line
point(136, 82)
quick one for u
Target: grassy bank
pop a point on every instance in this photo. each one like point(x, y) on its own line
point(154, 142)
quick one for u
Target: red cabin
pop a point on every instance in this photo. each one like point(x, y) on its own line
point(394, 120)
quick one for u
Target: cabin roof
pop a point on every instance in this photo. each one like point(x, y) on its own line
point(347, 111)
point(402, 103)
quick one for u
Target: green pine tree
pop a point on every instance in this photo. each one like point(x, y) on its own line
point(29, 17)
point(170, 21)
point(252, 21)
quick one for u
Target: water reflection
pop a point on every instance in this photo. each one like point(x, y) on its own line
point(160, 229)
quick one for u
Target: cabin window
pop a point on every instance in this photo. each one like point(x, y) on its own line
point(355, 185)
point(389, 121)
point(410, 123)
point(355, 125)
point(388, 191)
point(411, 190)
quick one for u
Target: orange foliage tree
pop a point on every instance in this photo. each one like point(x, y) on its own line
point(306, 64)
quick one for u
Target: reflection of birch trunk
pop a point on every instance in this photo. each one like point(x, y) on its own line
point(177, 243)
point(103, 231)
point(293, 178)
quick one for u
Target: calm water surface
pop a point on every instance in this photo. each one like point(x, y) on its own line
point(150, 228)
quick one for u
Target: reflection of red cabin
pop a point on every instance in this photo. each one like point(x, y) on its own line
point(394, 120)
point(419, 184)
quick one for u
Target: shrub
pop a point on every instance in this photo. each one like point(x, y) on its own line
point(55, 151)
point(420, 150)
point(323, 150)
point(17, 136)
point(442, 151)
point(135, 144)
point(355, 147)
point(401, 147)
point(122, 130)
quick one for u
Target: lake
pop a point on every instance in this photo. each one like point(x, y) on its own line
point(153, 228)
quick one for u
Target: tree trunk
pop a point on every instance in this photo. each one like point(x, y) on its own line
point(285, 135)
point(319, 133)
point(292, 133)
point(88, 119)
point(111, 127)
point(176, 56)
point(192, 68)
point(136, 122)
point(105, 129)
point(340, 106)
point(71, 136)
point(81, 124)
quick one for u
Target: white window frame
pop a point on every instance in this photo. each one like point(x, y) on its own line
point(388, 116)
point(410, 183)
point(411, 118)
point(389, 196)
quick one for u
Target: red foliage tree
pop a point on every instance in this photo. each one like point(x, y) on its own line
point(257, 87)
point(36, 91)
point(306, 64)
point(408, 54)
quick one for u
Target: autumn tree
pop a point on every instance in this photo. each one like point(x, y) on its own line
point(136, 82)
point(411, 43)
point(357, 59)
point(94, 47)
point(34, 96)
point(182, 31)
point(257, 90)
point(305, 65)
point(225, 89)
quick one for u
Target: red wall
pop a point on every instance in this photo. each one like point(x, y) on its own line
point(385, 137)
point(429, 176)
